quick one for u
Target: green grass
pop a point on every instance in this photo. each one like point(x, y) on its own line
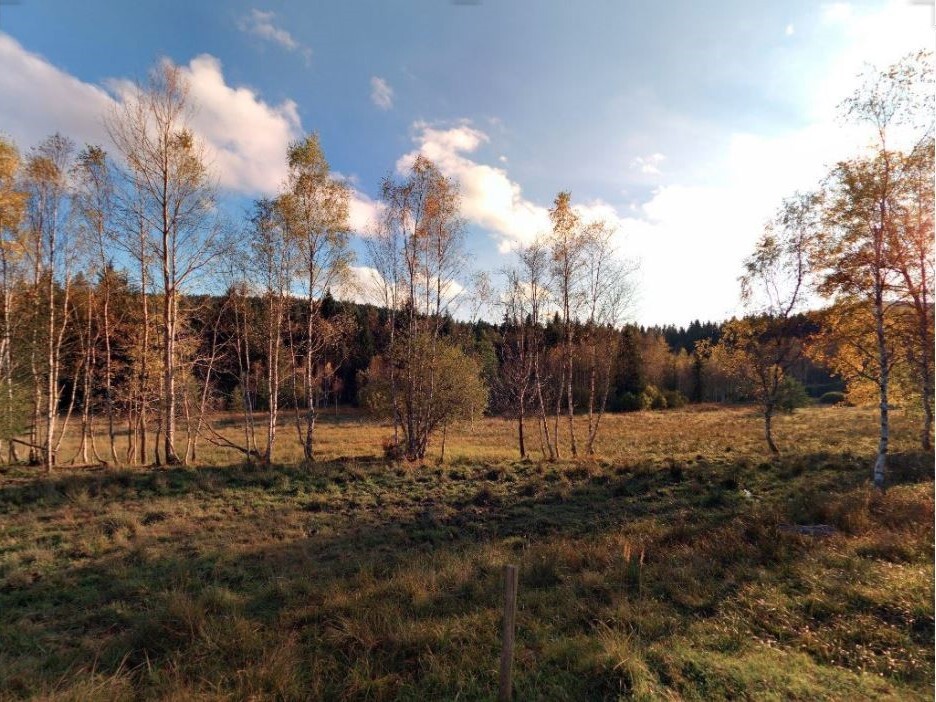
point(657, 571)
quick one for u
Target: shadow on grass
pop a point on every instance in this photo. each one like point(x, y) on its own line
point(209, 606)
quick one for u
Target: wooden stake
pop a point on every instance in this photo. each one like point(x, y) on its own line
point(510, 616)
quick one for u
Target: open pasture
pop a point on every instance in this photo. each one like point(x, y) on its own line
point(659, 569)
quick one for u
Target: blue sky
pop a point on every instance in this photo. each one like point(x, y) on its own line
point(681, 123)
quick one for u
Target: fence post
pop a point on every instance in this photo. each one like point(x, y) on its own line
point(510, 615)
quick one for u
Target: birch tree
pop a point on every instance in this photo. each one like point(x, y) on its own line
point(763, 347)
point(315, 211)
point(47, 175)
point(385, 255)
point(422, 211)
point(275, 255)
point(94, 204)
point(607, 293)
point(533, 274)
point(166, 166)
point(567, 245)
point(517, 352)
point(863, 206)
point(13, 201)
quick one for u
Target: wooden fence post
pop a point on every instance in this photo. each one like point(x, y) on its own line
point(510, 616)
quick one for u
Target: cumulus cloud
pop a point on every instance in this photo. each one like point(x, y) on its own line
point(381, 93)
point(40, 99)
point(681, 232)
point(363, 213)
point(260, 24)
point(489, 198)
point(246, 137)
point(649, 165)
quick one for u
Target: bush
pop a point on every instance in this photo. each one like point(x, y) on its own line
point(832, 398)
point(629, 402)
point(652, 398)
point(791, 394)
point(392, 449)
point(675, 399)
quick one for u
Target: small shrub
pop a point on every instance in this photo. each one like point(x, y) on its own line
point(832, 398)
point(392, 449)
point(652, 398)
point(629, 402)
point(791, 395)
point(542, 573)
point(675, 399)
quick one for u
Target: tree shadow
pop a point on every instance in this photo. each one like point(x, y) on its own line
point(153, 599)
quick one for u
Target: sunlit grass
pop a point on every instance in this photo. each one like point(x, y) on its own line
point(656, 570)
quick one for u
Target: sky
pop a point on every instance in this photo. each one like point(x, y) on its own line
point(682, 124)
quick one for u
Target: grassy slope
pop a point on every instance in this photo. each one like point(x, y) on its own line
point(657, 571)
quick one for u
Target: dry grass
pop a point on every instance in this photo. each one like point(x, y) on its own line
point(655, 571)
point(682, 435)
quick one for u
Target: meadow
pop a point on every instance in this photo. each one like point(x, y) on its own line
point(663, 568)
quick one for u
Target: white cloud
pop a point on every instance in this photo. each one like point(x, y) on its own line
point(246, 137)
point(363, 285)
point(489, 198)
point(790, 30)
point(689, 237)
point(649, 165)
point(259, 23)
point(837, 12)
point(363, 213)
point(869, 36)
point(381, 93)
point(40, 99)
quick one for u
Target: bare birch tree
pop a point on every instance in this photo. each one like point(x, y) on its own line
point(167, 166)
point(607, 293)
point(764, 346)
point(567, 245)
point(48, 181)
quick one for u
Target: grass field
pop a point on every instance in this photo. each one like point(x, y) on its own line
point(659, 570)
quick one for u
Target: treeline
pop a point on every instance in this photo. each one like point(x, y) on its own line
point(101, 258)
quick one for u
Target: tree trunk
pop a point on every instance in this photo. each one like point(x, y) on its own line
point(568, 379)
point(520, 429)
point(108, 372)
point(307, 444)
point(275, 318)
point(169, 379)
point(51, 385)
point(880, 463)
point(544, 423)
point(143, 377)
point(768, 431)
